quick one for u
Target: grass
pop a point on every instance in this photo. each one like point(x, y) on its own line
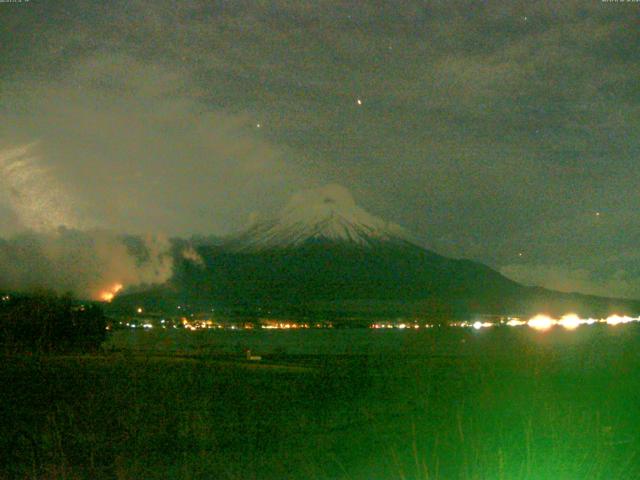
point(537, 414)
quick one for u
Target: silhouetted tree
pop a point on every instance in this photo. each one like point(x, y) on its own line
point(45, 322)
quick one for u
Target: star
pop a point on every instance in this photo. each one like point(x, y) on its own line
point(258, 125)
point(359, 102)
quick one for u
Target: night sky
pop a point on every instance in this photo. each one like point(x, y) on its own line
point(505, 132)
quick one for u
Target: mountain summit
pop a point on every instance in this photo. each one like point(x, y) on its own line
point(324, 215)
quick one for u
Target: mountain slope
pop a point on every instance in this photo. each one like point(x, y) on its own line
point(325, 255)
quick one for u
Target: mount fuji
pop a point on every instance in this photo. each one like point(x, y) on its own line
point(323, 255)
point(325, 215)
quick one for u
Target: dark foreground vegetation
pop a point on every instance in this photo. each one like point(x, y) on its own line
point(541, 412)
point(47, 322)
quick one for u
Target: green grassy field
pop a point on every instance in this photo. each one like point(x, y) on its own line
point(536, 414)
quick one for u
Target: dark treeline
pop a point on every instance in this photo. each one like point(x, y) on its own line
point(47, 322)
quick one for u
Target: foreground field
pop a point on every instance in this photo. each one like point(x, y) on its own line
point(552, 408)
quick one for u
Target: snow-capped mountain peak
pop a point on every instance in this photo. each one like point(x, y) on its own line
point(328, 214)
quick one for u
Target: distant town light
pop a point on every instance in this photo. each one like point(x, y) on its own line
point(514, 322)
point(617, 319)
point(541, 322)
point(570, 321)
point(478, 325)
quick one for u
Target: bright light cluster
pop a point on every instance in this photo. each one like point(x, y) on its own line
point(540, 322)
point(569, 321)
point(284, 326)
point(400, 326)
point(515, 322)
point(617, 319)
point(479, 325)
point(572, 321)
point(202, 324)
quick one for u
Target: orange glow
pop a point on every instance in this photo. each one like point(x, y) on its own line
point(109, 294)
point(106, 296)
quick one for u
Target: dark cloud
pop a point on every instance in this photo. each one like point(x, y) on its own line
point(488, 128)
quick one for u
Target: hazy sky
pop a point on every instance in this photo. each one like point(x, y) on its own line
point(505, 132)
